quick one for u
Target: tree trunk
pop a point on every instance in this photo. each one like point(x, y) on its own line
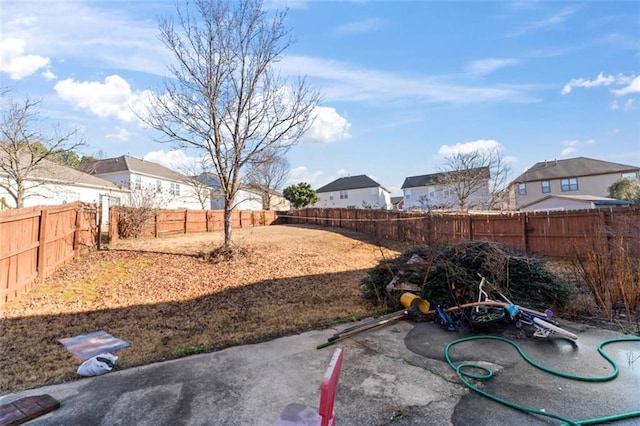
point(228, 225)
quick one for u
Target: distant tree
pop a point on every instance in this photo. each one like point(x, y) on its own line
point(224, 96)
point(27, 147)
point(625, 189)
point(300, 195)
point(476, 174)
point(268, 172)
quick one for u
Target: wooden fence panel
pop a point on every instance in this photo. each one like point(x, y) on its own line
point(562, 234)
point(37, 240)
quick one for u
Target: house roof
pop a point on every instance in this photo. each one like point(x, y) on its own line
point(351, 182)
point(133, 165)
point(50, 171)
point(596, 200)
point(572, 167)
point(436, 178)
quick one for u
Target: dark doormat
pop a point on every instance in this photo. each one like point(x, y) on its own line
point(24, 409)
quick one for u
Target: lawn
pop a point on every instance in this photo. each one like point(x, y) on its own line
point(168, 299)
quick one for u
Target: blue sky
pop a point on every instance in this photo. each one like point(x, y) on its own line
point(403, 83)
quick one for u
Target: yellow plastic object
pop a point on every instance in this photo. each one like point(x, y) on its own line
point(409, 300)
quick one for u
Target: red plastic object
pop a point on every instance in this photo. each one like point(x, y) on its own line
point(329, 387)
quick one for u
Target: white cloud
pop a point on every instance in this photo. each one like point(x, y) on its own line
point(358, 27)
point(343, 82)
point(176, 160)
point(572, 146)
point(489, 65)
point(480, 145)
point(328, 127)
point(566, 151)
point(14, 62)
point(602, 80)
point(302, 174)
point(113, 98)
point(121, 134)
point(550, 21)
point(633, 87)
point(71, 29)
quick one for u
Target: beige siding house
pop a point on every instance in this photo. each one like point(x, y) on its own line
point(358, 192)
point(572, 202)
point(574, 177)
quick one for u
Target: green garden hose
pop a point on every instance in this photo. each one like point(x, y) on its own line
point(488, 374)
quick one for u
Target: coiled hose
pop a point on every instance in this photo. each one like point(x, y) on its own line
point(488, 374)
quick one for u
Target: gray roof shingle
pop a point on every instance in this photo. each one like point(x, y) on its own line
point(350, 182)
point(436, 178)
point(571, 167)
point(131, 164)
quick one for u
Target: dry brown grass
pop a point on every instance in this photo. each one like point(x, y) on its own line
point(166, 299)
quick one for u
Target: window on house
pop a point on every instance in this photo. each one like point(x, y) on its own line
point(522, 189)
point(407, 194)
point(546, 187)
point(432, 194)
point(447, 192)
point(331, 196)
point(137, 182)
point(344, 195)
point(158, 184)
point(174, 189)
point(570, 184)
point(631, 175)
point(374, 191)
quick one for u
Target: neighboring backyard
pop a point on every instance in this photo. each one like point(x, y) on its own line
point(167, 300)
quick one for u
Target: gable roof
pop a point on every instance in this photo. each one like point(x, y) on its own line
point(351, 182)
point(436, 178)
point(48, 170)
point(572, 167)
point(133, 165)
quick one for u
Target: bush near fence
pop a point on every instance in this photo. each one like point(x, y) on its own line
point(175, 222)
point(35, 241)
point(557, 234)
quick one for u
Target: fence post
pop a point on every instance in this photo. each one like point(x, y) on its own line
point(186, 219)
point(155, 224)
point(42, 241)
point(76, 234)
point(470, 224)
point(524, 217)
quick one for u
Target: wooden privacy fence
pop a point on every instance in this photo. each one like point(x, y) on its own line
point(35, 241)
point(174, 222)
point(560, 234)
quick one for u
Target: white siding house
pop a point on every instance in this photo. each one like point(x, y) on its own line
point(439, 190)
point(246, 198)
point(572, 202)
point(358, 192)
point(55, 184)
point(171, 190)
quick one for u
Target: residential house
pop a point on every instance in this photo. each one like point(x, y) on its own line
point(572, 202)
point(53, 184)
point(247, 197)
point(574, 176)
point(397, 203)
point(271, 200)
point(443, 190)
point(354, 192)
point(149, 182)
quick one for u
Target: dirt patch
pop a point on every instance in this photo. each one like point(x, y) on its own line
point(168, 300)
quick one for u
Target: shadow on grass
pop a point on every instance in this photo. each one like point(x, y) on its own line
point(32, 356)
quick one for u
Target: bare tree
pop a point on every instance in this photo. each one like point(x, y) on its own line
point(26, 148)
point(195, 177)
point(225, 98)
point(476, 178)
point(268, 172)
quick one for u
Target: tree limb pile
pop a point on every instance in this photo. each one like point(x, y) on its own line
point(450, 275)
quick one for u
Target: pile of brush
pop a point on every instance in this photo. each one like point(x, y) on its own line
point(450, 275)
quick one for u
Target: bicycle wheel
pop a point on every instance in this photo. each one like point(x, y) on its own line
point(486, 316)
point(555, 329)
